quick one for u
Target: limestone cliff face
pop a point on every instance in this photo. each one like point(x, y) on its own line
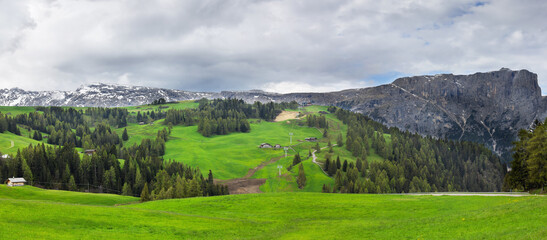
point(482, 107)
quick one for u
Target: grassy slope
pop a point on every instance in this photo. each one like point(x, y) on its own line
point(231, 156)
point(34, 193)
point(281, 216)
point(16, 110)
point(19, 142)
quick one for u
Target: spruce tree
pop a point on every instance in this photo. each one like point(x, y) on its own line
point(340, 141)
point(125, 136)
point(126, 189)
point(145, 194)
point(296, 159)
point(301, 179)
point(72, 184)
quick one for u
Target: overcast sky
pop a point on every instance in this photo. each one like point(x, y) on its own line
point(282, 46)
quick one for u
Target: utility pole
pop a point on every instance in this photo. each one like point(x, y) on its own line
point(285, 148)
point(290, 135)
point(279, 167)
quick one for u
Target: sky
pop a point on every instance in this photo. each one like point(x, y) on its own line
point(279, 46)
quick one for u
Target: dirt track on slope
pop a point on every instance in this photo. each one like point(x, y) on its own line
point(286, 115)
point(246, 184)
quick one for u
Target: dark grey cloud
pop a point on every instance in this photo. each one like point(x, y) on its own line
point(280, 45)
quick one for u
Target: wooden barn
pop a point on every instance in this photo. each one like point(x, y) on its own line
point(311, 139)
point(15, 182)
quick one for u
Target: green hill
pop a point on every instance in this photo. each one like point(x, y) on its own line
point(270, 216)
point(42, 195)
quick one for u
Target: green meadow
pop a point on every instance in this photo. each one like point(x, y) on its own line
point(10, 143)
point(231, 156)
point(30, 213)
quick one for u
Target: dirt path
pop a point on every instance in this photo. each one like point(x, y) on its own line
point(246, 184)
point(286, 115)
point(314, 159)
point(12, 144)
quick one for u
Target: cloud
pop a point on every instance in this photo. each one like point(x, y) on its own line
point(213, 45)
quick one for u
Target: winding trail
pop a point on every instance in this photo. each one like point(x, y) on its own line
point(314, 160)
point(12, 144)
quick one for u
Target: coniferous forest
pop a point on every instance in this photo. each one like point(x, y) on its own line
point(529, 165)
point(137, 170)
point(413, 163)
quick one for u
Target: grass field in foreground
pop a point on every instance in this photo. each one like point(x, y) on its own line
point(280, 216)
point(34, 193)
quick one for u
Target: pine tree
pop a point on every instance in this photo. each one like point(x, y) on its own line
point(301, 179)
point(296, 159)
point(340, 141)
point(145, 194)
point(345, 166)
point(126, 189)
point(318, 148)
point(125, 136)
point(72, 184)
point(27, 173)
point(327, 164)
point(338, 163)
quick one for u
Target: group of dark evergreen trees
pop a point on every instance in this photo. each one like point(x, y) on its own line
point(529, 165)
point(317, 121)
point(224, 116)
point(9, 124)
point(412, 163)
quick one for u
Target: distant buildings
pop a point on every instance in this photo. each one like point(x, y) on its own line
point(311, 139)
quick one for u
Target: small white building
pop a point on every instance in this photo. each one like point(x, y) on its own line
point(15, 182)
point(5, 156)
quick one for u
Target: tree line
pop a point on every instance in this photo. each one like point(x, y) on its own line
point(412, 163)
point(529, 165)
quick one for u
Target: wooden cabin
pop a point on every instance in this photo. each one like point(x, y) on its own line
point(90, 152)
point(277, 146)
point(16, 182)
point(311, 139)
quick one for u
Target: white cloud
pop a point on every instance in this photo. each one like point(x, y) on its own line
point(274, 45)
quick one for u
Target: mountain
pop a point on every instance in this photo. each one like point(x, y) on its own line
point(96, 95)
point(483, 107)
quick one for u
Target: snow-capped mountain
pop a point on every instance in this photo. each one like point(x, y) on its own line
point(97, 95)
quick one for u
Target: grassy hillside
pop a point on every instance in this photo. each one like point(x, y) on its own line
point(231, 156)
point(16, 110)
point(279, 216)
point(9, 142)
point(34, 193)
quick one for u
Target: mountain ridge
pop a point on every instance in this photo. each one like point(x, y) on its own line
point(486, 107)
